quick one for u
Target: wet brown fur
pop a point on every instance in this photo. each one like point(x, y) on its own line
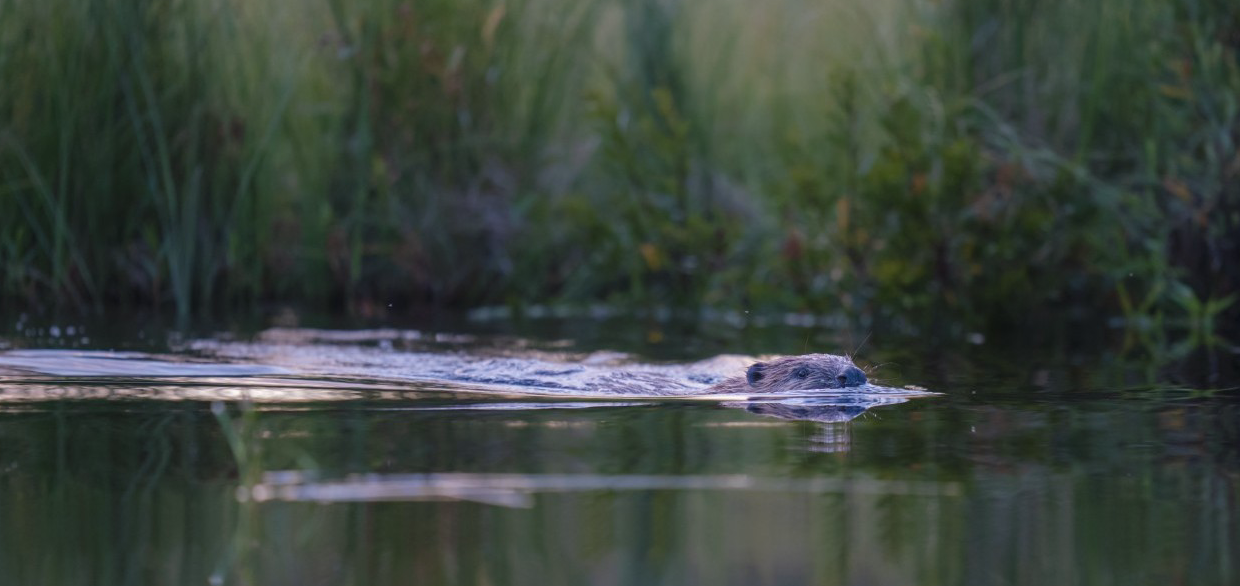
point(793, 374)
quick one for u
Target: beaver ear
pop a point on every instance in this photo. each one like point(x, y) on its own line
point(755, 373)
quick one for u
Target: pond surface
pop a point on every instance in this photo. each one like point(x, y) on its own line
point(246, 454)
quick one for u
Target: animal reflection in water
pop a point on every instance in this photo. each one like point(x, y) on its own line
point(836, 409)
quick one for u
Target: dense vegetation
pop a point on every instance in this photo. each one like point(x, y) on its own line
point(989, 160)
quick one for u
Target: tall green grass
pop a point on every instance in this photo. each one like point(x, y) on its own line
point(996, 159)
point(131, 150)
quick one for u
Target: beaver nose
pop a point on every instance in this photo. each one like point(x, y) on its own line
point(851, 377)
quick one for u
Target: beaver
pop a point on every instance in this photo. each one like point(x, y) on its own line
point(806, 372)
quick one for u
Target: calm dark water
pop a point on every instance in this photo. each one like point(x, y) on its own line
point(1069, 458)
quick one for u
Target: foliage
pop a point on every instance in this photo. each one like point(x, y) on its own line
point(984, 160)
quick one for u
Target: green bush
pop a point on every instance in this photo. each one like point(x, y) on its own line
point(982, 161)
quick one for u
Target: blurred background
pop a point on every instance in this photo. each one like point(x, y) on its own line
point(990, 162)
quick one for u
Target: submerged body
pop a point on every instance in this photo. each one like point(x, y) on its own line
point(792, 374)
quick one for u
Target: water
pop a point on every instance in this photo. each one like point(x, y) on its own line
point(251, 455)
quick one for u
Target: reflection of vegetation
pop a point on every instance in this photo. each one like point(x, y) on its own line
point(995, 158)
point(240, 434)
point(1030, 493)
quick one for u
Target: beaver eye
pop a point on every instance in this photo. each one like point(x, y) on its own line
point(801, 372)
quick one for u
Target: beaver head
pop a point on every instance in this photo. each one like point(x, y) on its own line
point(804, 373)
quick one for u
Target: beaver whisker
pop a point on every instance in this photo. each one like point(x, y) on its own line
point(859, 346)
point(874, 367)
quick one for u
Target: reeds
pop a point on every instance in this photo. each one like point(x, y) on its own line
point(993, 158)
